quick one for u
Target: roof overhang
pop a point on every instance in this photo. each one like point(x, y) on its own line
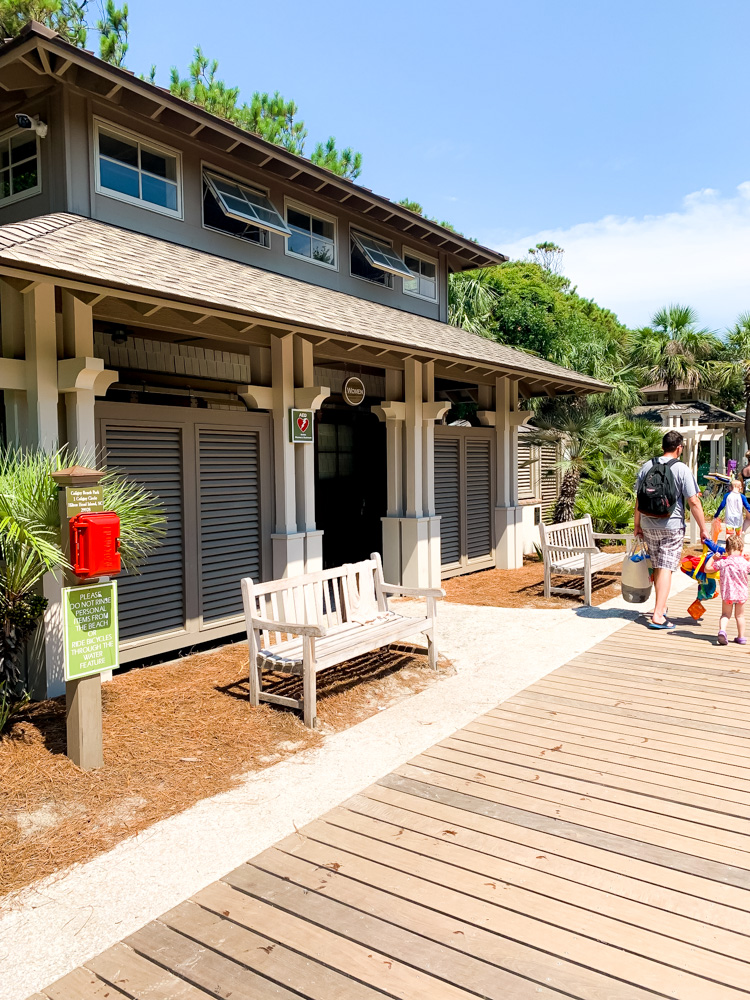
point(101, 261)
point(39, 59)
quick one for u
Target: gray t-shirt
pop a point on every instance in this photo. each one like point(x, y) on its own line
point(686, 487)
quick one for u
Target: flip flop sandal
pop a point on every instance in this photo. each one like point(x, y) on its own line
point(722, 637)
point(665, 626)
point(741, 640)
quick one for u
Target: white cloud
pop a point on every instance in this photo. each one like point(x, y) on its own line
point(698, 256)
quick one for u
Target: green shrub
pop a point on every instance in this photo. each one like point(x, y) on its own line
point(611, 513)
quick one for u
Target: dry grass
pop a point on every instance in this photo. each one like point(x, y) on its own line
point(524, 588)
point(173, 734)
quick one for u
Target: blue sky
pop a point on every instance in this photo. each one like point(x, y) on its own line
point(620, 130)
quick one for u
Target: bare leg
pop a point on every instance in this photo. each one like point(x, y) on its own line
point(726, 614)
point(662, 584)
point(739, 617)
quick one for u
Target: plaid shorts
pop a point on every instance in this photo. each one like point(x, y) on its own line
point(664, 547)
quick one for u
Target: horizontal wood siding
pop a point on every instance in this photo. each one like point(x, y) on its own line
point(448, 498)
point(229, 516)
point(153, 600)
point(478, 499)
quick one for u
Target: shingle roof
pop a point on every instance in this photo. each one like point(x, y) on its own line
point(83, 249)
point(709, 414)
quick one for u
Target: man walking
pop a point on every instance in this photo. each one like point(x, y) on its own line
point(662, 487)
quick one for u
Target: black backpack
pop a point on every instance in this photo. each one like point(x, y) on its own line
point(657, 494)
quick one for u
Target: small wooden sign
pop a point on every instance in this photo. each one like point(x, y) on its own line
point(353, 391)
point(90, 634)
point(83, 500)
point(301, 426)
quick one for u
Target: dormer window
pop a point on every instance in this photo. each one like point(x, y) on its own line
point(137, 171)
point(19, 165)
point(375, 260)
point(246, 206)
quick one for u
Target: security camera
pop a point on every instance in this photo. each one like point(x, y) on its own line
point(32, 122)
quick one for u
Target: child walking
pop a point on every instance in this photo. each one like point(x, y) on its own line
point(732, 505)
point(733, 571)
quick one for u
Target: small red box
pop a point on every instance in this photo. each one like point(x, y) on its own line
point(95, 544)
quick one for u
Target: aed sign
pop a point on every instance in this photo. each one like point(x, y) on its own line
point(83, 500)
point(353, 391)
point(90, 634)
point(301, 426)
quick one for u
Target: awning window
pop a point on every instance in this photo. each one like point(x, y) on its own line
point(245, 204)
point(380, 255)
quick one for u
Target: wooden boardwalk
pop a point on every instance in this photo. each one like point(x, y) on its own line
point(589, 838)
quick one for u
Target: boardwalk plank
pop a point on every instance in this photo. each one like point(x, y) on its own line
point(140, 978)
point(80, 984)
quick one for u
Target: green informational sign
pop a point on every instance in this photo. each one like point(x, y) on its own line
point(83, 500)
point(301, 426)
point(90, 630)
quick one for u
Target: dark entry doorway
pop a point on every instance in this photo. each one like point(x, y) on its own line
point(350, 482)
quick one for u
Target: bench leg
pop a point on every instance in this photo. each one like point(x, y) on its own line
point(547, 580)
point(254, 675)
point(309, 707)
point(432, 654)
point(587, 580)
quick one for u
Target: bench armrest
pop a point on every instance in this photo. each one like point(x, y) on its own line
point(266, 623)
point(394, 588)
point(573, 550)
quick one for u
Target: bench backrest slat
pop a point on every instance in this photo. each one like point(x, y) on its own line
point(570, 534)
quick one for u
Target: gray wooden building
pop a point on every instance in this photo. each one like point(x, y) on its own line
point(171, 286)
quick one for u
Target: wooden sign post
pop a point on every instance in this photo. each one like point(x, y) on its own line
point(79, 492)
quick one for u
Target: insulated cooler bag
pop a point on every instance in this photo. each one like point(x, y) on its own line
point(636, 573)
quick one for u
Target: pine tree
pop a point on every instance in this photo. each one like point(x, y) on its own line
point(344, 162)
point(66, 17)
point(113, 33)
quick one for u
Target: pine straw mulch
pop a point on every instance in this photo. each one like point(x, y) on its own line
point(524, 588)
point(173, 734)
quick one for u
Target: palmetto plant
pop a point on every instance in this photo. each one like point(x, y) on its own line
point(673, 350)
point(30, 542)
point(471, 297)
point(610, 512)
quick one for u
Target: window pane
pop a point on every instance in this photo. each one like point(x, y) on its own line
point(215, 218)
point(298, 220)
point(322, 228)
point(362, 268)
point(411, 284)
point(326, 437)
point(24, 177)
point(22, 147)
point(326, 465)
point(5, 184)
point(5, 154)
point(300, 243)
point(412, 263)
point(156, 163)
point(118, 177)
point(159, 192)
point(323, 251)
point(226, 187)
point(428, 269)
point(118, 149)
point(428, 287)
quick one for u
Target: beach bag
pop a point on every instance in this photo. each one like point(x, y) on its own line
point(636, 573)
point(657, 494)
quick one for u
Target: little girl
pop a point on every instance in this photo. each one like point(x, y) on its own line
point(732, 505)
point(733, 571)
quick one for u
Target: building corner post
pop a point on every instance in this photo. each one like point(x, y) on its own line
point(508, 513)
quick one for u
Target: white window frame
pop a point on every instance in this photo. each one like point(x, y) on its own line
point(300, 206)
point(30, 192)
point(428, 260)
point(100, 124)
point(367, 232)
point(213, 169)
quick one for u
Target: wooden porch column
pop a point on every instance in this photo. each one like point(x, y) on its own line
point(41, 365)
point(508, 513)
point(288, 542)
point(307, 397)
point(12, 321)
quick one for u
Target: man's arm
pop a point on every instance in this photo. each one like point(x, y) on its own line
point(696, 509)
point(637, 530)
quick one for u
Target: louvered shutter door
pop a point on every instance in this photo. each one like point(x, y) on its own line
point(549, 480)
point(152, 600)
point(478, 499)
point(229, 513)
point(525, 488)
point(448, 498)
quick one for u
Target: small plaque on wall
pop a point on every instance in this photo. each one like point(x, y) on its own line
point(301, 426)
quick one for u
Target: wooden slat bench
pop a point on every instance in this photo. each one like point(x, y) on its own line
point(301, 625)
point(570, 549)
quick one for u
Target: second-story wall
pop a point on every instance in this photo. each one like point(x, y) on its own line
point(69, 183)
